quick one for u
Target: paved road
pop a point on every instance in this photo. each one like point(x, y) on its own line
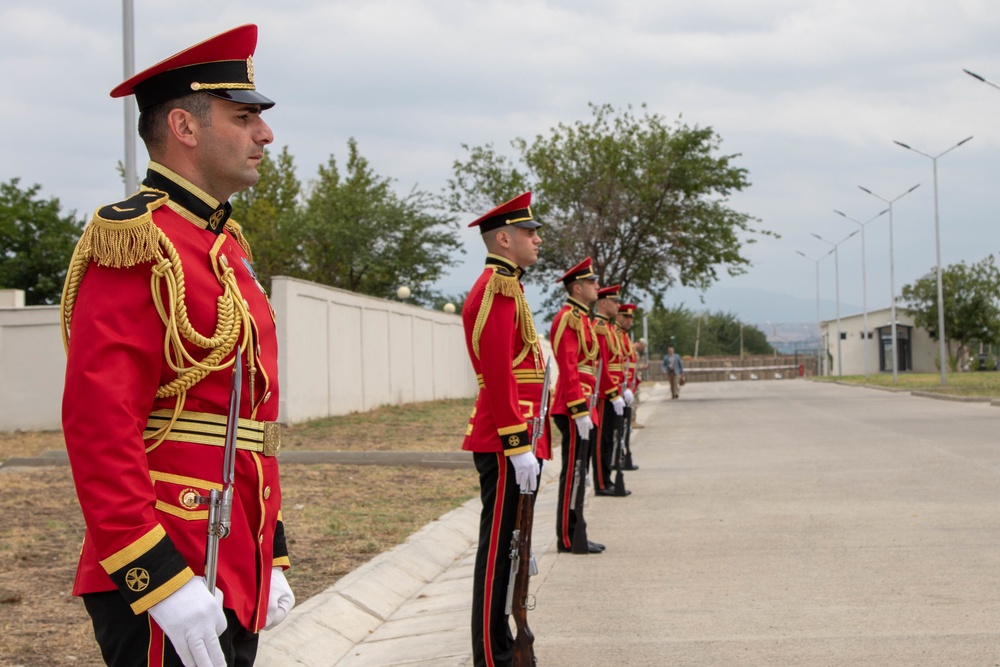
point(771, 523)
point(791, 523)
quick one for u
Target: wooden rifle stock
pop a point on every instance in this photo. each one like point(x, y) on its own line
point(524, 641)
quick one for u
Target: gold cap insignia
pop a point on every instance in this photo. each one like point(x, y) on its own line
point(250, 69)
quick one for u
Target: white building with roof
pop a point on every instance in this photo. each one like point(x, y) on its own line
point(915, 349)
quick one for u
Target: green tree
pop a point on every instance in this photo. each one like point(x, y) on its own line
point(36, 243)
point(971, 310)
point(648, 200)
point(714, 334)
point(270, 213)
point(361, 236)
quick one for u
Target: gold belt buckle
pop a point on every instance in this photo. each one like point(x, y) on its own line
point(272, 438)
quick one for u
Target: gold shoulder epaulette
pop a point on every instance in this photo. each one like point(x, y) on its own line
point(601, 327)
point(237, 232)
point(123, 234)
point(574, 320)
point(504, 282)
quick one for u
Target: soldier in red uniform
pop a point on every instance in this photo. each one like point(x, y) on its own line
point(625, 319)
point(576, 352)
point(160, 301)
point(611, 402)
point(505, 354)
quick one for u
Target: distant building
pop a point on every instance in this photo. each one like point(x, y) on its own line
point(916, 350)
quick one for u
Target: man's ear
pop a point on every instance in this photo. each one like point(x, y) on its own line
point(183, 126)
point(503, 238)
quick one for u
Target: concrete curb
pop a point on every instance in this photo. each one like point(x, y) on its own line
point(347, 623)
point(950, 397)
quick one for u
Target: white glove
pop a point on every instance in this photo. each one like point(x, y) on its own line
point(192, 619)
point(584, 424)
point(281, 600)
point(629, 397)
point(525, 470)
point(619, 405)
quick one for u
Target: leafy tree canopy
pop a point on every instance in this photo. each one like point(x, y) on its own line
point(714, 334)
point(347, 229)
point(971, 309)
point(646, 199)
point(36, 243)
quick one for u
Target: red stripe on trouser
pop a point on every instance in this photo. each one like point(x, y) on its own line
point(157, 644)
point(491, 562)
point(567, 491)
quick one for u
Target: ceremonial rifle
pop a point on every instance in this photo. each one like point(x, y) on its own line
point(522, 561)
point(220, 503)
point(580, 545)
point(619, 453)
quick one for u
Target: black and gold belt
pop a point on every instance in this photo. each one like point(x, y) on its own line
point(521, 376)
point(203, 428)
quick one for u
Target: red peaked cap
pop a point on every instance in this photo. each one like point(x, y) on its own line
point(221, 66)
point(613, 292)
point(626, 309)
point(582, 271)
point(516, 212)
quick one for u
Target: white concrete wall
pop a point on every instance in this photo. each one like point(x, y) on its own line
point(340, 352)
point(343, 352)
point(32, 366)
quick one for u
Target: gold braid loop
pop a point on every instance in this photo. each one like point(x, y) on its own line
point(507, 286)
point(124, 243)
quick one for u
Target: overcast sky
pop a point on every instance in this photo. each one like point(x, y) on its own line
point(811, 93)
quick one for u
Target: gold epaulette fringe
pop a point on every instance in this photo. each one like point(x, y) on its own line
point(601, 327)
point(573, 321)
point(123, 234)
point(510, 287)
point(237, 231)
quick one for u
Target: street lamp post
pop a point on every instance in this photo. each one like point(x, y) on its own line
point(836, 274)
point(892, 277)
point(937, 241)
point(816, 261)
point(983, 79)
point(864, 277)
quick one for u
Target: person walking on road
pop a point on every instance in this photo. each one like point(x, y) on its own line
point(674, 369)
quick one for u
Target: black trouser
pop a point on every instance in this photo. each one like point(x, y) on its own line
point(605, 445)
point(565, 516)
point(492, 641)
point(130, 640)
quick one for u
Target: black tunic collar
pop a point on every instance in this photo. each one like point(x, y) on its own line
point(579, 306)
point(504, 264)
point(207, 211)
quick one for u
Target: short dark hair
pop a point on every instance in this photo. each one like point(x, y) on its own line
point(153, 121)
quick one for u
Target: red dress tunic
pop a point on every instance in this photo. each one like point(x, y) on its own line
point(145, 533)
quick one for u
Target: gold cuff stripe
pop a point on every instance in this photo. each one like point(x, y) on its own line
point(281, 562)
point(122, 558)
point(160, 593)
point(507, 430)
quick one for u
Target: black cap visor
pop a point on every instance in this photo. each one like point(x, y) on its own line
point(242, 97)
